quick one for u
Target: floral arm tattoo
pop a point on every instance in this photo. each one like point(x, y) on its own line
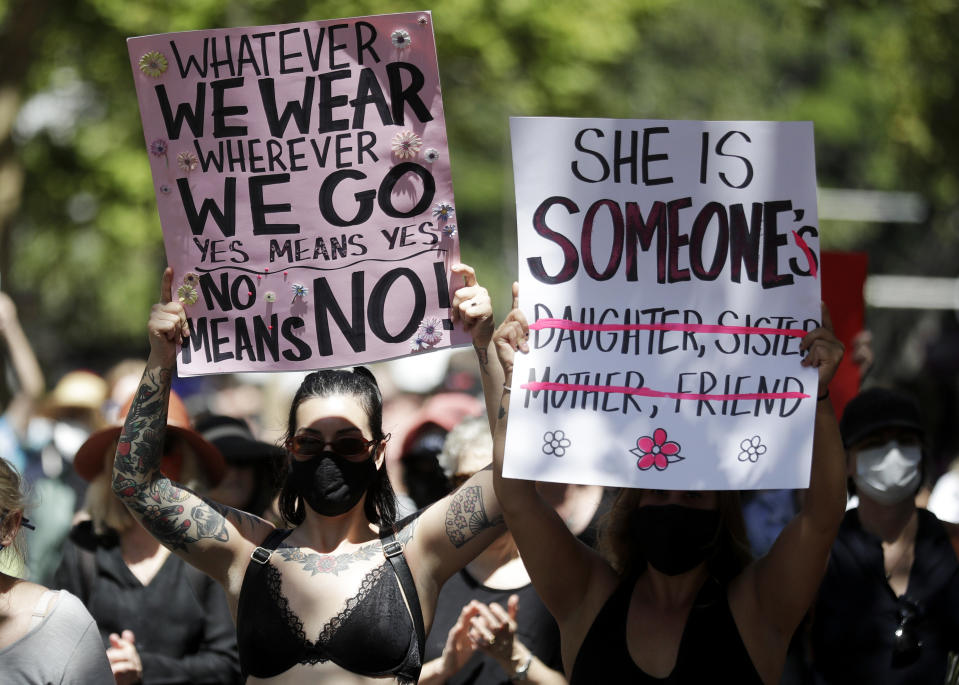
point(466, 516)
point(172, 514)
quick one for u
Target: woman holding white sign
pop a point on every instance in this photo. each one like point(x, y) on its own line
point(676, 598)
point(365, 617)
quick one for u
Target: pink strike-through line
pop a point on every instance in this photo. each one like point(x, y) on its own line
point(647, 392)
point(687, 327)
point(809, 255)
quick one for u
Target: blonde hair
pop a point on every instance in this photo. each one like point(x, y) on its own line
point(470, 436)
point(12, 500)
point(107, 511)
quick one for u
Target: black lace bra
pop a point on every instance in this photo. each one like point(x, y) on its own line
point(373, 635)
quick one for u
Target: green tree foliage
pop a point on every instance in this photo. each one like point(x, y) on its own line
point(80, 242)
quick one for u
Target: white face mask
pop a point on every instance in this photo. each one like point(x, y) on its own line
point(888, 473)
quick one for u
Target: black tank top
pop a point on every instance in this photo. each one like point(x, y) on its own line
point(710, 649)
point(373, 635)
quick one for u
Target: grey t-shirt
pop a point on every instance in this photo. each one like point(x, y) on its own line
point(64, 648)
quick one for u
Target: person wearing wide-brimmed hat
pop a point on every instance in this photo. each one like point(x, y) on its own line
point(252, 466)
point(159, 620)
point(888, 607)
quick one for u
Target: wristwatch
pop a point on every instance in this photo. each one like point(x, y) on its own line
point(523, 669)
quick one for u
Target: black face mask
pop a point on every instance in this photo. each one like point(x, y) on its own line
point(673, 538)
point(330, 484)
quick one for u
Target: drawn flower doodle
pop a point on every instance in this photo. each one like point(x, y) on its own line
point(401, 38)
point(406, 144)
point(417, 343)
point(269, 296)
point(431, 154)
point(191, 279)
point(165, 189)
point(656, 451)
point(430, 330)
point(450, 230)
point(153, 64)
point(751, 449)
point(555, 443)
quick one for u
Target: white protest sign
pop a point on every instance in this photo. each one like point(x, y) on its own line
point(668, 270)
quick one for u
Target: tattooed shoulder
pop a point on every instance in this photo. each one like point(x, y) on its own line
point(466, 515)
point(237, 516)
point(209, 523)
point(405, 528)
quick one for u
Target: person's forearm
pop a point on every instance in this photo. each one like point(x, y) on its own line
point(155, 501)
point(432, 673)
point(141, 442)
point(537, 673)
point(825, 500)
point(29, 378)
point(492, 377)
point(541, 674)
point(24, 361)
point(513, 494)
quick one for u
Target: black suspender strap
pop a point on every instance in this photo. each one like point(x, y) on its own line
point(393, 551)
point(264, 551)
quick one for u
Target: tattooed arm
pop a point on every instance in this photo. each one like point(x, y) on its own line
point(458, 527)
point(210, 536)
point(453, 530)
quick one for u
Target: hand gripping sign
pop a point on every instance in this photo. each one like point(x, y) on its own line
point(303, 183)
point(669, 270)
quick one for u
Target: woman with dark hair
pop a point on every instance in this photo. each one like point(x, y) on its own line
point(676, 598)
point(366, 614)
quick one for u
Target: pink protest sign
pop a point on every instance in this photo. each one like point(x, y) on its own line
point(303, 182)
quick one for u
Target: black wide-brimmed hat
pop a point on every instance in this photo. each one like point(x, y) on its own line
point(235, 441)
point(878, 408)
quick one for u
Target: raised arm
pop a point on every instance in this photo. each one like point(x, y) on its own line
point(472, 307)
point(561, 567)
point(786, 579)
point(209, 536)
point(453, 530)
point(26, 368)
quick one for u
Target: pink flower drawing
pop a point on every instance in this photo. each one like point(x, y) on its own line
point(656, 451)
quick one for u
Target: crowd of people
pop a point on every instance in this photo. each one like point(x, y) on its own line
point(151, 538)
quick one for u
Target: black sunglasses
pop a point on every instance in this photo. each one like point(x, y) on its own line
point(349, 447)
point(907, 645)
